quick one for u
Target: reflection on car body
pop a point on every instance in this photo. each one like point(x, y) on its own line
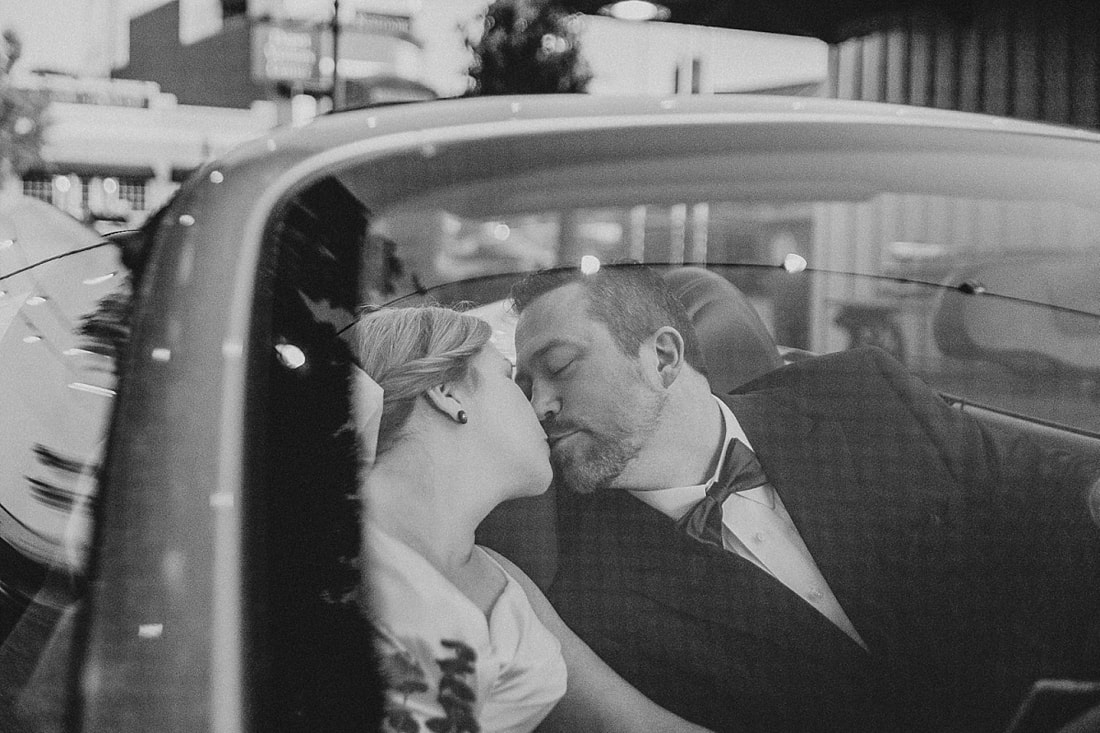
point(220, 593)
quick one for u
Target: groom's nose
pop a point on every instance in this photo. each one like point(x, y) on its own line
point(545, 402)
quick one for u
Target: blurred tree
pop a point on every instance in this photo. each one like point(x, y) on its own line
point(527, 47)
point(22, 116)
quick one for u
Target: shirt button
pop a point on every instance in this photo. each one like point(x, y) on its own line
point(815, 595)
point(759, 537)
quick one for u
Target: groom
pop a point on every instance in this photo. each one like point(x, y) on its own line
point(889, 564)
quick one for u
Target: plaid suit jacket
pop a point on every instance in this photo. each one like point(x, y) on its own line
point(964, 557)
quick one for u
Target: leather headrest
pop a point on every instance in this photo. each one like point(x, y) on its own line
point(736, 345)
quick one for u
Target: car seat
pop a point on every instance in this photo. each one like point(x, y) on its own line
point(737, 347)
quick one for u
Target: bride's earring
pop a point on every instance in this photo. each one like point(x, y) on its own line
point(461, 417)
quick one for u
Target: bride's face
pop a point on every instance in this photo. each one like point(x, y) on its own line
point(506, 425)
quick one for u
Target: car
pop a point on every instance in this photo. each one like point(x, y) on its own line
point(180, 534)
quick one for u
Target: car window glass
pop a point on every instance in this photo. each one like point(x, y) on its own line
point(908, 213)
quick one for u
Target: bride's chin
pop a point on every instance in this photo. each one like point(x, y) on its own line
point(538, 483)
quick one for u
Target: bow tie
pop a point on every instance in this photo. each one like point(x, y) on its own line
point(740, 472)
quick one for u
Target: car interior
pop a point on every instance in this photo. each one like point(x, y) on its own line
point(737, 344)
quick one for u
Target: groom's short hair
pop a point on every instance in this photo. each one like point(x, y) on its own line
point(632, 300)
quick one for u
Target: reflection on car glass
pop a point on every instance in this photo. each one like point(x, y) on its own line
point(385, 275)
point(64, 319)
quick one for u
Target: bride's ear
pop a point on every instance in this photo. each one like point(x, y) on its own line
point(446, 399)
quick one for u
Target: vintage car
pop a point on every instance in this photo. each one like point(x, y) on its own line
point(178, 510)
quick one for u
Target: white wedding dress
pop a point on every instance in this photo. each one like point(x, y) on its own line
point(445, 661)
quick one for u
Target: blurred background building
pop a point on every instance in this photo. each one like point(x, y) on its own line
point(142, 91)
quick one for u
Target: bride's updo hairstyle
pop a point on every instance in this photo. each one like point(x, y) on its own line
point(407, 351)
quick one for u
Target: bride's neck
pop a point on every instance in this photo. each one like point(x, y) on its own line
point(428, 506)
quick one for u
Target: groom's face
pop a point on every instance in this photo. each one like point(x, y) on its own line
point(593, 401)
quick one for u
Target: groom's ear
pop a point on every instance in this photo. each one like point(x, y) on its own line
point(445, 398)
point(668, 347)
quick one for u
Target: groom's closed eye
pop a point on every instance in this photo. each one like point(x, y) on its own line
point(558, 369)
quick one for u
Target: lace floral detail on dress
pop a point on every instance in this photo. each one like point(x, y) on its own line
point(455, 693)
point(404, 676)
point(410, 687)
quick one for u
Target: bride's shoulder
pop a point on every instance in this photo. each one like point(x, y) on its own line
point(510, 568)
point(535, 596)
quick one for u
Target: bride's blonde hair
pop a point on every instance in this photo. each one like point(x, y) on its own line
point(410, 350)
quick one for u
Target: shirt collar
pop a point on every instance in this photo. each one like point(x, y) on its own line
point(677, 501)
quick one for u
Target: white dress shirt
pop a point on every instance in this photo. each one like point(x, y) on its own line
point(757, 527)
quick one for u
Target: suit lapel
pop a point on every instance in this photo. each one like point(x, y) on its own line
point(809, 463)
point(717, 586)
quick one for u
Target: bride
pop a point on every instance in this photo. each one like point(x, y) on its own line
point(467, 641)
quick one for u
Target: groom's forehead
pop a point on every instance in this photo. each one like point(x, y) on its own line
point(544, 324)
point(559, 310)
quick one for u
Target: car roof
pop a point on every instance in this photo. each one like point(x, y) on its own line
point(567, 111)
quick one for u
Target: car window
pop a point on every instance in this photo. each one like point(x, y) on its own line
point(897, 202)
point(999, 352)
point(843, 236)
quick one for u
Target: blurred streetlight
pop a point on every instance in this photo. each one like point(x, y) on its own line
point(640, 10)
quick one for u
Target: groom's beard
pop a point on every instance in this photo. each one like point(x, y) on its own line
point(589, 461)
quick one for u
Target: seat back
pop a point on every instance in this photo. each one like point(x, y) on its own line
point(737, 348)
point(736, 345)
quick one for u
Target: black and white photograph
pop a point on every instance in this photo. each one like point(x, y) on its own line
point(549, 366)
